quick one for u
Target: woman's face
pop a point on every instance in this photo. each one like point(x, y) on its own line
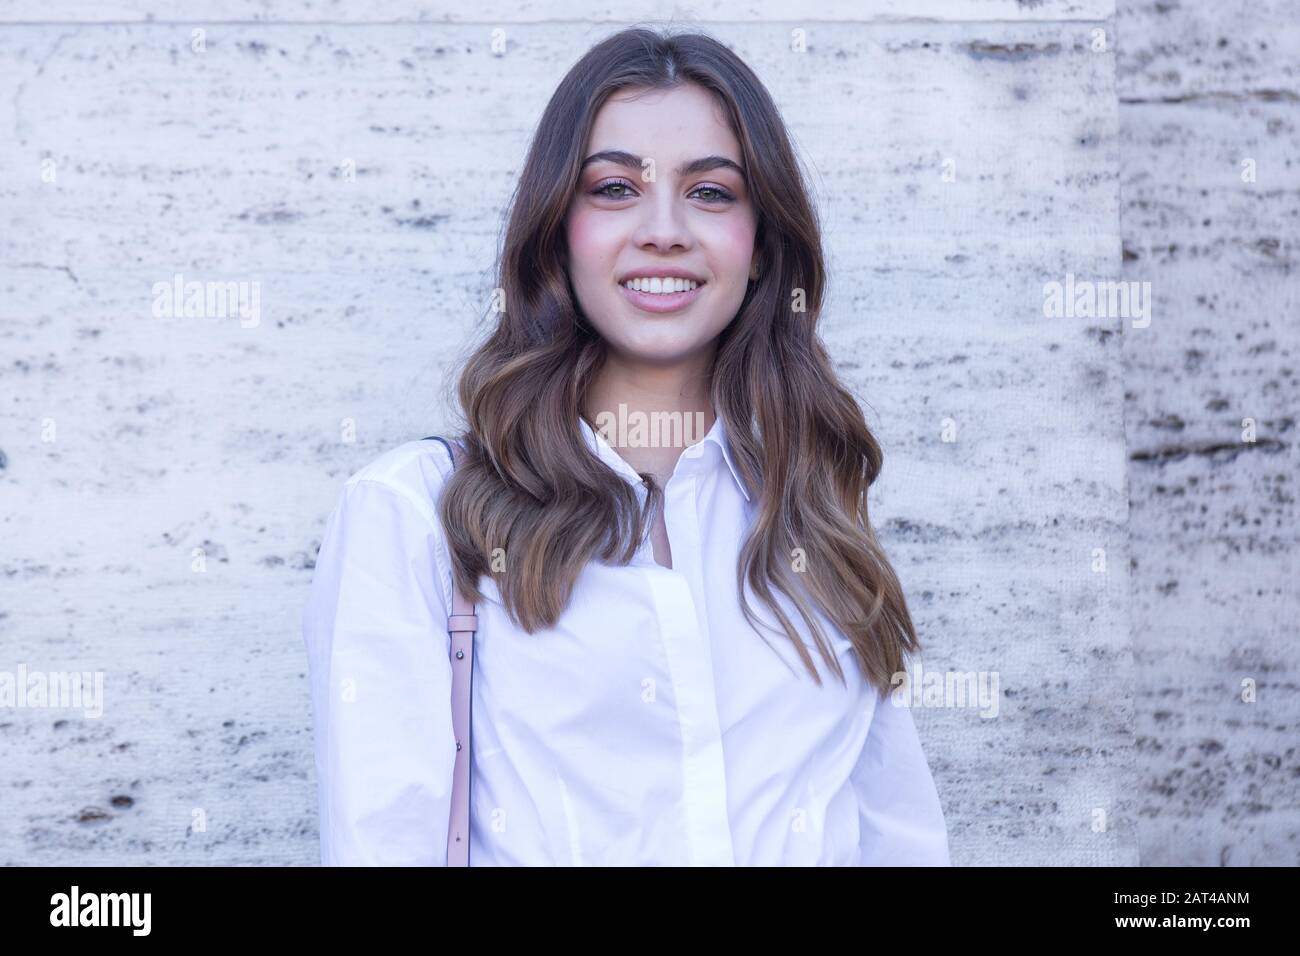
point(662, 190)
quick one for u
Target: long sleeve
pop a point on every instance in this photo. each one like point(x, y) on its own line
point(900, 818)
point(375, 626)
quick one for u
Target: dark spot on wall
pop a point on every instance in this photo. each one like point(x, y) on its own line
point(1008, 52)
point(1171, 422)
point(1219, 451)
point(89, 816)
point(424, 222)
point(269, 216)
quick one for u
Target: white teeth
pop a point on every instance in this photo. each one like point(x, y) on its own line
point(660, 286)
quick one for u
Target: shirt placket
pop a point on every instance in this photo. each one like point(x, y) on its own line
point(678, 594)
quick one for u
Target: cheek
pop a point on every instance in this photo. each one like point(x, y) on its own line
point(733, 243)
point(593, 247)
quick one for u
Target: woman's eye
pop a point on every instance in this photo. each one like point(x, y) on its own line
point(722, 194)
point(605, 190)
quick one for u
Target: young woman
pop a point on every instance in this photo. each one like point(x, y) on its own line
point(658, 615)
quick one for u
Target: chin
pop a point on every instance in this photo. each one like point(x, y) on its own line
point(657, 351)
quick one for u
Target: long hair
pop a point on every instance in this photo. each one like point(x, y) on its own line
point(530, 490)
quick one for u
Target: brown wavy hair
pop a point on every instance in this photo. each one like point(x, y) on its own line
point(528, 483)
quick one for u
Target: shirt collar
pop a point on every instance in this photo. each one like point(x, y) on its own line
point(717, 436)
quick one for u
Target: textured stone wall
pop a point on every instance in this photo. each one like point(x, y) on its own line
point(1210, 158)
point(165, 480)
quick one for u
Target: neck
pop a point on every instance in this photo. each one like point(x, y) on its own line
point(646, 389)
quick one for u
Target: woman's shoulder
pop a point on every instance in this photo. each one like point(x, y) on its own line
point(391, 503)
point(414, 470)
point(382, 578)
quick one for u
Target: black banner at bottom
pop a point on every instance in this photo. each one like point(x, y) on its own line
point(916, 906)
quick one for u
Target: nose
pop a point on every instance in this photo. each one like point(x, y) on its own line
point(663, 224)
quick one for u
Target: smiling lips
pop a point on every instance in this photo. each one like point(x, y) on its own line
point(663, 302)
point(661, 294)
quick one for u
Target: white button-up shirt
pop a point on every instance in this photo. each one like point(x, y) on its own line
point(652, 725)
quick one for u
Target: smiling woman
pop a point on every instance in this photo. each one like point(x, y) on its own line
point(630, 705)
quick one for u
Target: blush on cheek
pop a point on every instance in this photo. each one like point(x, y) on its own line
point(593, 248)
point(736, 240)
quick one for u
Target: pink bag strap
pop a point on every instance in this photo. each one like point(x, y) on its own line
point(462, 623)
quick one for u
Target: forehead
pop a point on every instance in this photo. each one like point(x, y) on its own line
point(685, 121)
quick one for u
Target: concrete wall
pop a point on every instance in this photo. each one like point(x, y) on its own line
point(354, 161)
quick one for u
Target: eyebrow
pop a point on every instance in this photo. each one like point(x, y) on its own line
point(704, 164)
